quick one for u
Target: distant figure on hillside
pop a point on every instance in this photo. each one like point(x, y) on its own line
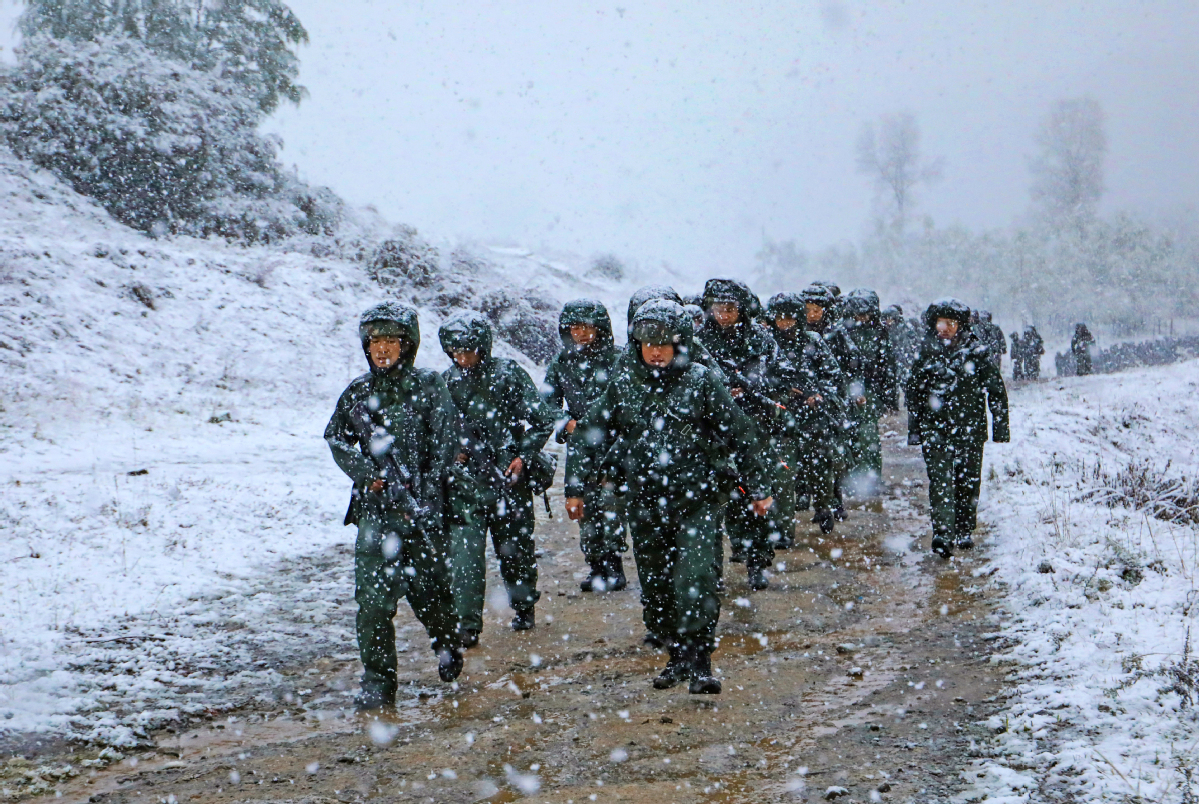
point(1080, 346)
point(1032, 347)
point(1017, 356)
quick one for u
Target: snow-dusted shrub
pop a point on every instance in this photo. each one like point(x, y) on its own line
point(406, 259)
point(607, 266)
point(163, 148)
point(516, 321)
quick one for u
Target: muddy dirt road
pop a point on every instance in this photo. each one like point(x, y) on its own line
point(861, 674)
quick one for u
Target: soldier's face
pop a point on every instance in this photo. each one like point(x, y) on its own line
point(947, 329)
point(813, 312)
point(466, 359)
point(725, 313)
point(785, 322)
point(657, 355)
point(583, 334)
point(862, 319)
point(385, 352)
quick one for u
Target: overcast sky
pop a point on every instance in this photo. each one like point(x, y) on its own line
point(684, 131)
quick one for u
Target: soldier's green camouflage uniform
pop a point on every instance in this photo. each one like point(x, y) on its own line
point(578, 377)
point(502, 417)
point(905, 341)
point(948, 393)
point(849, 361)
point(748, 355)
point(394, 556)
point(665, 435)
point(807, 369)
point(879, 385)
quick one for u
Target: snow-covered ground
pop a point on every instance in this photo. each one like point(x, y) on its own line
point(1092, 593)
point(161, 411)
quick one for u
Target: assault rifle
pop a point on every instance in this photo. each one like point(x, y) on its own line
point(750, 393)
point(481, 460)
point(397, 476)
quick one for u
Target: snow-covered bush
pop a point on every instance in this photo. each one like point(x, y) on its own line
point(248, 42)
point(162, 147)
point(405, 259)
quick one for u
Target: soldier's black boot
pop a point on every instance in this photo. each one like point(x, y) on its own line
point(839, 511)
point(595, 581)
point(700, 667)
point(524, 620)
point(470, 637)
point(942, 545)
point(614, 573)
point(372, 699)
point(757, 577)
point(964, 541)
point(653, 640)
point(824, 518)
point(676, 670)
point(802, 503)
point(449, 665)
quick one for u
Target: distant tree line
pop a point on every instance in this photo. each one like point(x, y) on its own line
point(1063, 263)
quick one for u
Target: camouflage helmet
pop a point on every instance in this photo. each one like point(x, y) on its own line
point(390, 319)
point(696, 312)
point(862, 301)
point(735, 291)
point(661, 321)
point(892, 312)
point(649, 292)
point(953, 309)
point(818, 295)
point(788, 304)
point(466, 331)
point(832, 287)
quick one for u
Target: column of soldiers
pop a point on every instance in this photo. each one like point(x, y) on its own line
point(718, 418)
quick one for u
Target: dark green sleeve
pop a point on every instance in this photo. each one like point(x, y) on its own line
point(445, 436)
point(554, 396)
point(340, 438)
point(889, 386)
point(531, 408)
point(992, 382)
point(591, 441)
point(740, 435)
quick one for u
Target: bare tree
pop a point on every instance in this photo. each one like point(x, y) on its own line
point(890, 156)
point(1068, 172)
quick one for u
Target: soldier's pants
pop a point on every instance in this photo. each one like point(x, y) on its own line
point(817, 455)
point(955, 470)
point(601, 531)
point(786, 475)
point(510, 519)
point(866, 450)
point(392, 560)
point(674, 539)
point(1032, 370)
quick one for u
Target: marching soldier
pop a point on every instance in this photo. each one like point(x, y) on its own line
point(747, 354)
point(952, 384)
point(499, 468)
point(672, 426)
point(810, 381)
point(578, 377)
point(877, 390)
point(394, 433)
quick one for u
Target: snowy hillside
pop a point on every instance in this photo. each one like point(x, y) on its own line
point(1094, 531)
point(161, 411)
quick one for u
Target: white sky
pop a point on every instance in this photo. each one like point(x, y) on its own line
point(683, 131)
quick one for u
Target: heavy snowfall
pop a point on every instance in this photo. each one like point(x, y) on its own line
point(181, 308)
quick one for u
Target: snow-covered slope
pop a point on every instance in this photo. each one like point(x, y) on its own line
point(213, 368)
point(1100, 595)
